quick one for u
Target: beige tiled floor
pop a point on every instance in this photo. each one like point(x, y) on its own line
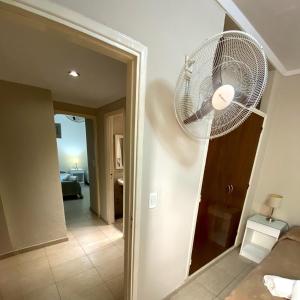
point(88, 266)
point(217, 281)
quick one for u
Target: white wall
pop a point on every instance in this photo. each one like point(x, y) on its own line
point(31, 211)
point(172, 162)
point(72, 146)
point(280, 165)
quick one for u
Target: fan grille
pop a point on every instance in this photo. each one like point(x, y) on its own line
point(230, 58)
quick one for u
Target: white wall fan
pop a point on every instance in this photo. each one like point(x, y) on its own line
point(220, 85)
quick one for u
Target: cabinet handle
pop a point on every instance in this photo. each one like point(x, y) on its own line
point(229, 188)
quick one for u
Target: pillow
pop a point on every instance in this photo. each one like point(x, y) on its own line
point(292, 234)
point(72, 178)
point(64, 176)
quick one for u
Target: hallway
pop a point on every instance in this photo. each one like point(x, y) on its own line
point(88, 266)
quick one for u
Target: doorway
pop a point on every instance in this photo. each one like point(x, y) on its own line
point(226, 179)
point(105, 41)
point(76, 155)
point(114, 129)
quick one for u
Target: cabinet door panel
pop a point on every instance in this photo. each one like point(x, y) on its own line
point(226, 178)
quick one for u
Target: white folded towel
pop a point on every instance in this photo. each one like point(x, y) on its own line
point(283, 287)
point(296, 291)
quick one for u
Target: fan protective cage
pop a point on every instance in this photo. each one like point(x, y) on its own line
point(230, 58)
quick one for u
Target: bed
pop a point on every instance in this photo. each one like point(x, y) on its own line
point(71, 188)
point(284, 261)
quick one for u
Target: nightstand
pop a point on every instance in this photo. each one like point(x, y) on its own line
point(260, 237)
point(79, 173)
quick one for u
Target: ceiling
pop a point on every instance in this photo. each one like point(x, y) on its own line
point(35, 55)
point(276, 24)
point(229, 24)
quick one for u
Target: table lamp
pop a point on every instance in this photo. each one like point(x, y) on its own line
point(273, 202)
point(76, 163)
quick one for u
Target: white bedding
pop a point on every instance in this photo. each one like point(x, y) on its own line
point(64, 176)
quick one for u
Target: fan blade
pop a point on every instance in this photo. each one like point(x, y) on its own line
point(204, 110)
point(206, 107)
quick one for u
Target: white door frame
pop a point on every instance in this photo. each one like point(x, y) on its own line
point(109, 163)
point(118, 46)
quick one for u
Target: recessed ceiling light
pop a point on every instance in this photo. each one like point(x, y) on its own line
point(73, 73)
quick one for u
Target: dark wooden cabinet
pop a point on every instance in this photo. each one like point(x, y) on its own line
point(118, 200)
point(226, 180)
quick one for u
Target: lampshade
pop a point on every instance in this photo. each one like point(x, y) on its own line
point(274, 200)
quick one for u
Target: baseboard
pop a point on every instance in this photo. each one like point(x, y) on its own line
point(33, 247)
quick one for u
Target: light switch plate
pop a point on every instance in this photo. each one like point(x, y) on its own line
point(153, 197)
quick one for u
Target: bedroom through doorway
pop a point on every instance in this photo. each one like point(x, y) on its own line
point(76, 163)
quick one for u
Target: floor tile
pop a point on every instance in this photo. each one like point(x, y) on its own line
point(65, 256)
point(11, 289)
point(193, 291)
point(36, 280)
point(14, 297)
point(82, 229)
point(58, 248)
point(119, 243)
point(78, 223)
point(34, 266)
point(70, 236)
point(228, 289)
point(47, 293)
point(25, 277)
point(116, 286)
point(119, 224)
point(96, 246)
point(110, 269)
point(31, 255)
point(235, 282)
point(77, 285)
point(112, 232)
point(233, 263)
point(218, 280)
point(215, 279)
point(99, 292)
point(67, 270)
point(9, 262)
point(92, 237)
point(9, 274)
point(105, 255)
point(71, 268)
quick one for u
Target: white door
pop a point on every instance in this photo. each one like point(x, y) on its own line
point(92, 176)
point(109, 169)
